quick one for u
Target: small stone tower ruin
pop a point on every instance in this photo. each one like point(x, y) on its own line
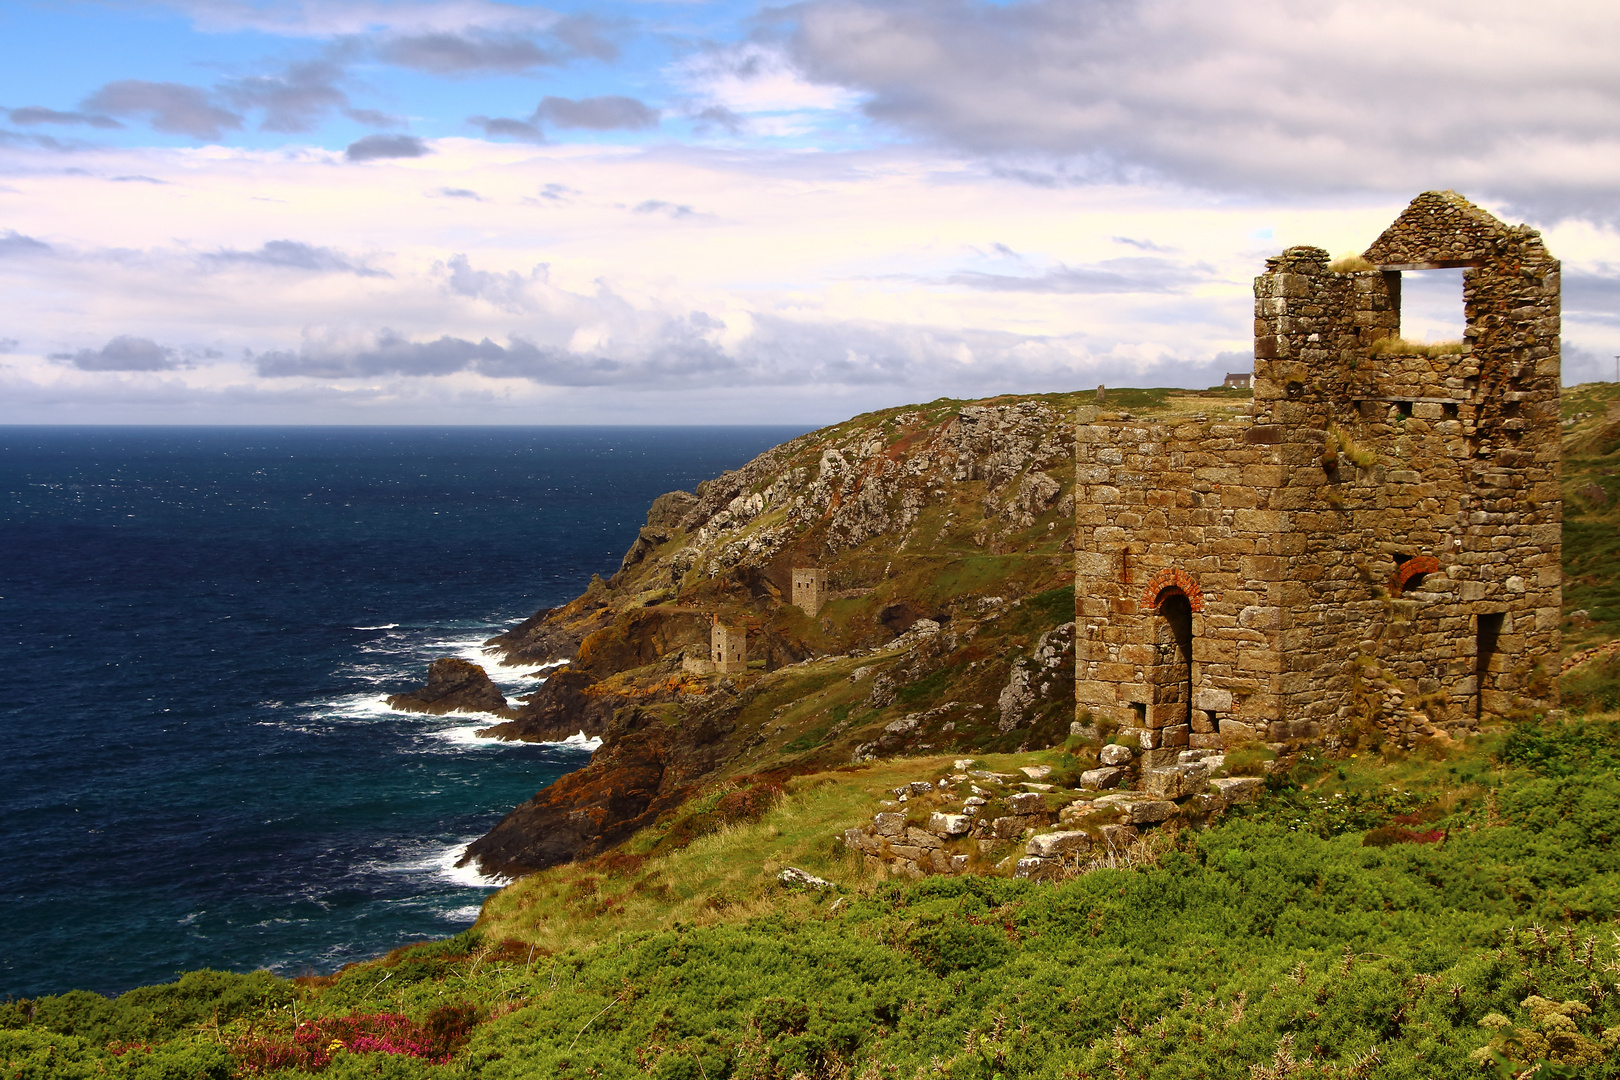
point(728, 648)
point(1375, 552)
point(809, 590)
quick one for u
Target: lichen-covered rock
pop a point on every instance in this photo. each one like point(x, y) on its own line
point(1239, 789)
point(1102, 779)
point(1115, 754)
point(1051, 845)
point(949, 824)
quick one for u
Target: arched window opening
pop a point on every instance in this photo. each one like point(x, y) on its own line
point(1175, 657)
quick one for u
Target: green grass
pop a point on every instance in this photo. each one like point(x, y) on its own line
point(1294, 929)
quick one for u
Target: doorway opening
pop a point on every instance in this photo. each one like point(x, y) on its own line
point(1486, 636)
point(1175, 674)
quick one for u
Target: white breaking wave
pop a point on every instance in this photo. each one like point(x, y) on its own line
point(384, 626)
point(468, 736)
point(440, 862)
point(468, 875)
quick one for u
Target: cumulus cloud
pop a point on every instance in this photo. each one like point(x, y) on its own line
point(296, 100)
point(509, 290)
point(170, 107)
point(123, 353)
point(15, 243)
point(375, 118)
point(506, 126)
point(373, 147)
point(296, 255)
point(607, 113)
point(1592, 296)
point(464, 54)
point(34, 114)
point(8, 345)
point(1487, 96)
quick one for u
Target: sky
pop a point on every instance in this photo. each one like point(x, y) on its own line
point(718, 211)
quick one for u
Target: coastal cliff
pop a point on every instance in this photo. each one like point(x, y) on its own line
point(943, 532)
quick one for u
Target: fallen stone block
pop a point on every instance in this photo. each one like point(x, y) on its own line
point(1007, 828)
point(890, 824)
point(1102, 779)
point(793, 877)
point(1152, 812)
point(1030, 868)
point(1115, 754)
point(1164, 783)
point(1028, 802)
point(1239, 789)
point(1036, 772)
point(1051, 845)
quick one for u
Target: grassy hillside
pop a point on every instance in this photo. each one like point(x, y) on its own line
point(1438, 915)
point(1449, 912)
point(1591, 513)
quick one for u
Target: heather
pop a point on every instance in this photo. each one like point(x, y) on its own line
point(1443, 913)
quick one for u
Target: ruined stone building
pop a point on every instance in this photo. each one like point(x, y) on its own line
point(809, 590)
point(728, 648)
point(1374, 552)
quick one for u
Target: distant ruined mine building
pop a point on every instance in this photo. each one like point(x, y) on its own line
point(728, 651)
point(1375, 550)
point(809, 590)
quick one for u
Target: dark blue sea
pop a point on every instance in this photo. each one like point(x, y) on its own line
point(199, 627)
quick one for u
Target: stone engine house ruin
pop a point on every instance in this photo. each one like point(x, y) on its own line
point(1375, 550)
point(809, 589)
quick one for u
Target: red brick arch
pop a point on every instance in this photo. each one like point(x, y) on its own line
point(1411, 568)
point(1172, 578)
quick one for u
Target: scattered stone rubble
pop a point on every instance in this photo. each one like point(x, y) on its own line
point(981, 812)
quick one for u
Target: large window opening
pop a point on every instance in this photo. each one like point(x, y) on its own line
point(1431, 304)
point(1487, 634)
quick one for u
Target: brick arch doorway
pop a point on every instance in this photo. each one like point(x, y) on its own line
point(1173, 672)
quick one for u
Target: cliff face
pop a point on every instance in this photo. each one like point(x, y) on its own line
point(944, 532)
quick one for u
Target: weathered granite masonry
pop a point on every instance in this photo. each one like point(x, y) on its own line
point(1375, 551)
point(809, 589)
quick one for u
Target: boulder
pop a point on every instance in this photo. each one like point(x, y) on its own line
point(794, 878)
point(1036, 772)
point(1029, 802)
point(1102, 779)
point(1115, 754)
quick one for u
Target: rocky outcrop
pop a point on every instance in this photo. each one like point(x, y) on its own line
point(559, 709)
point(454, 685)
point(643, 769)
point(899, 510)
